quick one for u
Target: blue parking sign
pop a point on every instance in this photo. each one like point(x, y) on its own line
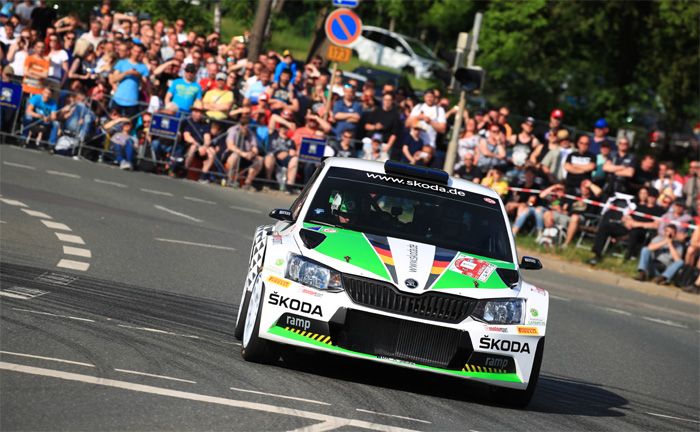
point(165, 126)
point(10, 94)
point(312, 150)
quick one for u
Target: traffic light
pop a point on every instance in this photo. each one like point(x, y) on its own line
point(471, 78)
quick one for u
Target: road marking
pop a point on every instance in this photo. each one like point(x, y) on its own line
point(111, 183)
point(35, 213)
point(53, 315)
point(73, 265)
point(665, 322)
point(392, 415)
point(70, 250)
point(63, 174)
point(155, 192)
point(56, 225)
point(2, 221)
point(141, 388)
point(18, 165)
point(211, 246)
point(617, 311)
point(559, 298)
point(155, 330)
point(47, 358)
point(13, 295)
point(154, 376)
point(279, 396)
point(199, 200)
point(70, 238)
point(672, 417)
point(182, 215)
point(246, 209)
point(13, 202)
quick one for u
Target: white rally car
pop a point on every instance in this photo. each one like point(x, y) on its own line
point(397, 264)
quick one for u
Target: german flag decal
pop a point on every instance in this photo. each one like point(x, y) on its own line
point(383, 250)
point(442, 260)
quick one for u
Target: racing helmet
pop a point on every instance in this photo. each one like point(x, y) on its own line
point(344, 204)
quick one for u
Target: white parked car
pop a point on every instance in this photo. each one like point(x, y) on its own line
point(385, 48)
point(397, 264)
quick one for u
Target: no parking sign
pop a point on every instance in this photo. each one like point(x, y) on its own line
point(343, 27)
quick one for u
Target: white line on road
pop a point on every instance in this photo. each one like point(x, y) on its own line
point(665, 322)
point(70, 250)
point(70, 238)
point(154, 376)
point(18, 165)
point(617, 311)
point(47, 358)
point(35, 213)
point(53, 314)
point(13, 202)
point(176, 213)
point(88, 379)
point(392, 415)
point(279, 396)
point(672, 417)
point(62, 174)
point(199, 200)
point(559, 298)
point(111, 183)
point(155, 192)
point(211, 246)
point(56, 225)
point(246, 209)
point(13, 295)
point(154, 330)
point(2, 221)
point(73, 265)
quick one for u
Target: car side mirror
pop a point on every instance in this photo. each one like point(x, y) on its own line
point(530, 263)
point(282, 214)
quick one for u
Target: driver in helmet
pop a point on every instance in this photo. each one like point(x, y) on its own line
point(344, 205)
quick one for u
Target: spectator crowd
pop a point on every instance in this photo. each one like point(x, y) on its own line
point(102, 85)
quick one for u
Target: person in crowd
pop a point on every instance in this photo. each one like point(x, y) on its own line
point(600, 135)
point(468, 169)
point(662, 258)
point(282, 94)
point(521, 146)
point(551, 165)
point(503, 113)
point(282, 151)
point(691, 187)
point(287, 64)
point(129, 75)
point(243, 153)
point(496, 180)
point(692, 260)
point(666, 183)
point(430, 116)
point(468, 143)
point(95, 35)
point(196, 136)
point(555, 120)
point(123, 145)
point(579, 165)
point(569, 213)
point(412, 143)
point(345, 147)
point(36, 69)
point(531, 204)
point(375, 152)
point(184, 92)
point(258, 87)
point(620, 168)
point(677, 215)
point(385, 120)
point(492, 150)
point(218, 101)
point(84, 66)
point(346, 111)
point(314, 127)
point(41, 115)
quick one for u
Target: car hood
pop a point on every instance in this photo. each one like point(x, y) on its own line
point(412, 266)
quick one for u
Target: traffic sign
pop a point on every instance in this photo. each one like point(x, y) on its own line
point(346, 3)
point(338, 54)
point(343, 27)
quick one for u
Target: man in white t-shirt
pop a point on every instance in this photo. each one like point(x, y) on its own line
point(94, 36)
point(430, 117)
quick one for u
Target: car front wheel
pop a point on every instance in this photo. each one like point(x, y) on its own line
point(520, 399)
point(254, 348)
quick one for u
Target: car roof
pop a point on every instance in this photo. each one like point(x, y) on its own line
point(378, 167)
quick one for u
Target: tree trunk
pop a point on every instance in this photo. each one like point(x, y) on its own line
point(319, 33)
point(257, 34)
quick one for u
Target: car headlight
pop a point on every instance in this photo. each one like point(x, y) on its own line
point(312, 274)
point(500, 311)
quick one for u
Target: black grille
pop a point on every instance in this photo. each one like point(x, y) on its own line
point(430, 305)
point(400, 339)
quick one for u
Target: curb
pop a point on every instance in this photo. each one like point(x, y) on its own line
point(565, 267)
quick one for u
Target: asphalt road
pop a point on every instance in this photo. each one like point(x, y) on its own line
point(119, 291)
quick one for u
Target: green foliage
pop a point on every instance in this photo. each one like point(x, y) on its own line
point(197, 17)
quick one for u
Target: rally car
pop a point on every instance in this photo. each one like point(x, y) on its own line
point(397, 264)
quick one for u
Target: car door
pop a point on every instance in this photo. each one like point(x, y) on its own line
point(395, 53)
point(370, 48)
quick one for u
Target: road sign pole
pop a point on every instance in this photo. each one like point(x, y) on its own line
point(454, 139)
point(326, 112)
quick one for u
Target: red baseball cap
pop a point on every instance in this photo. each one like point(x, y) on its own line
point(557, 113)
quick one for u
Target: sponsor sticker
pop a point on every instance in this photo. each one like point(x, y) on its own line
point(329, 230)
point(319, 211)
point(311, 292)
point(276, 238)
point(534, 312)
point(279, 262)
point(539, 291)
point(474, 268)
point(504, 345)
point(536, 322)
point(284, 283)
point(490, 200)
point(530, 331)
point(497, 329)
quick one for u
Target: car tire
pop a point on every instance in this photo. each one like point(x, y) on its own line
point(520, 399)
point(255, 261)
point(240, 319)
point(254, 348)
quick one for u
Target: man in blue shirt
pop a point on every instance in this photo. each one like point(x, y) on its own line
point(130, 74)
point(346, 111)
point(41, 115)
point(183, 92)
point(257, 88)
point(287, 63)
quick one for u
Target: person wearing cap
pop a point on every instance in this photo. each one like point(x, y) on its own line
point(522, 145)
point(131, 74)
point(620, 168)
point(283, 96)
point(555, 119)
point(219, 100)
point(375, 152)
point(195, 134)
point(287, 63)
point(600, 135)
point(183, 92)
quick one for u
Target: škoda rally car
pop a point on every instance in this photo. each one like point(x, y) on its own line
point(397, 264)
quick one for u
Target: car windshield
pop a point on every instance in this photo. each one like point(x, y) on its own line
point(411, 209)
point(420, 49)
